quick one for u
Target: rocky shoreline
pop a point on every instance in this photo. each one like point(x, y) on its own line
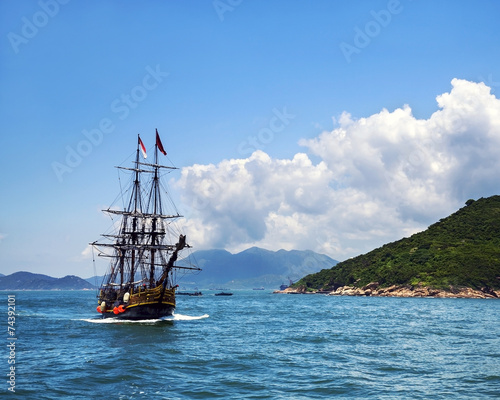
point(374, 289)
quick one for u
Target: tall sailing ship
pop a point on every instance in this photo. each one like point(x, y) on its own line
point(140, 282)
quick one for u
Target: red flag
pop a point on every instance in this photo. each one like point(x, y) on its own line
point(143, 149)
point(158, 143)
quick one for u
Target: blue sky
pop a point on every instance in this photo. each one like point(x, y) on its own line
point(276, 94)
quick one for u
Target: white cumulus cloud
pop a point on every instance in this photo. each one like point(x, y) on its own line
point(379, 178)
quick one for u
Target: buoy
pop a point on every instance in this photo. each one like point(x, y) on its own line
point(103, 306)
point(126, 297)
point(115, 310)
point(99, 309)
point(120, 308)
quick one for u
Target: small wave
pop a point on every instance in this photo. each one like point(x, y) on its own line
point(180, 317)
point(175, 317)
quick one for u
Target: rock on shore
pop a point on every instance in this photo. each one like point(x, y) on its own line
point(374, 289)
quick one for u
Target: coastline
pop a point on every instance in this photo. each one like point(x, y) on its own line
point(373, 289)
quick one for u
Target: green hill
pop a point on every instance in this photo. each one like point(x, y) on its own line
point(462, 250)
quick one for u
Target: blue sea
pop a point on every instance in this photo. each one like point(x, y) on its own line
point(256, 345)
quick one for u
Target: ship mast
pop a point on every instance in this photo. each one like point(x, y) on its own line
point(136, 208)
point(156, 209)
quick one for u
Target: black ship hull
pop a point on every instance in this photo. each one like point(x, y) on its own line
point(142, 312)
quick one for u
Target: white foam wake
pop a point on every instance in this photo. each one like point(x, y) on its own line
point(180, 317)
point(174, 317)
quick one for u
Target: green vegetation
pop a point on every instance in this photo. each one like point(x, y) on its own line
point(462, 250)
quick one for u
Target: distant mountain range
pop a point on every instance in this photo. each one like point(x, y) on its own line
point(252, 268)
point(29, 281)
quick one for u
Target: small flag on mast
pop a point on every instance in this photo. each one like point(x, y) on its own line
point(159, 144)
point(143, 149)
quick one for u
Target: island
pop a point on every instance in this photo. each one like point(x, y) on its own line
point(458, 256)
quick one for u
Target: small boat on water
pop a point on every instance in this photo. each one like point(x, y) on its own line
point(140, 281)
point(224, 294)
point(189, 294)
point(283, 286)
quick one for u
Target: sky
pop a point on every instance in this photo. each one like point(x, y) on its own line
point(334, 126)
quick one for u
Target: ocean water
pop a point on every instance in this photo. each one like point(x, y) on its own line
point(256, 345)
